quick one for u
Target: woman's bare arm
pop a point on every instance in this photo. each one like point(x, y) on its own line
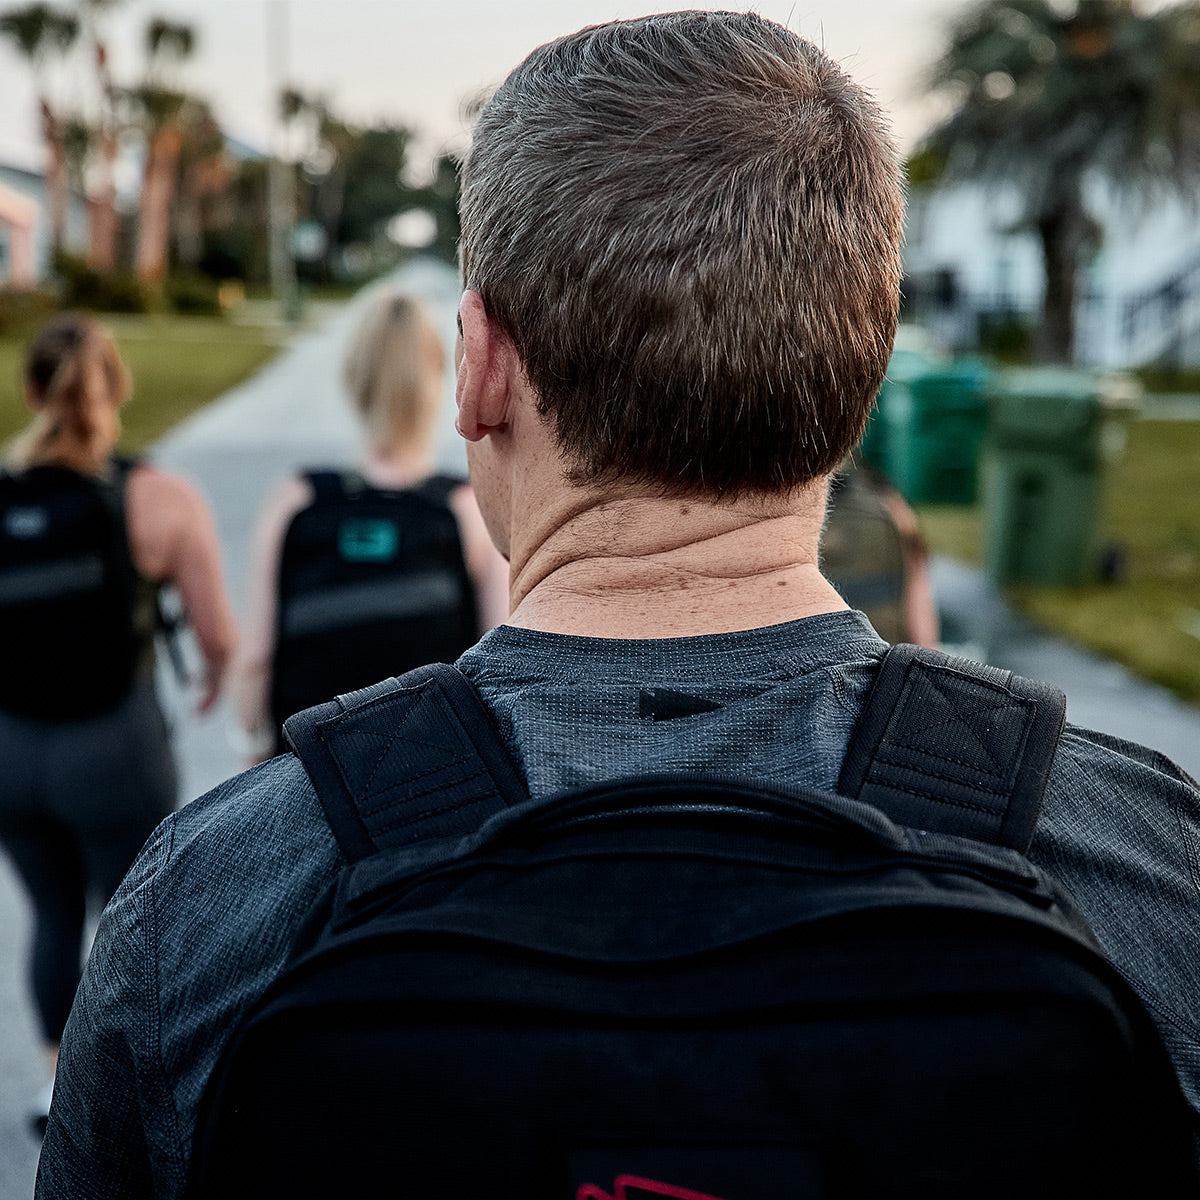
point(252, 673)
point(173, 540)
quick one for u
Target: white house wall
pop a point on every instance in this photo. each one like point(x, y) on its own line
point(969, 229)
point(31, 185)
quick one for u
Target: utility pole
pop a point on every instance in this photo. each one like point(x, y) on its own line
point(281, 204)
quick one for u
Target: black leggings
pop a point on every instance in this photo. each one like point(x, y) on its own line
point(77, 800)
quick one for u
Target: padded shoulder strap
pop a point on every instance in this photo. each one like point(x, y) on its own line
point(439, 488)
point(951, 746)
point(331, 485)
point(405, 760)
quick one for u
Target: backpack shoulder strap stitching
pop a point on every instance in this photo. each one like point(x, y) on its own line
point(405, 760)
point(951, 746)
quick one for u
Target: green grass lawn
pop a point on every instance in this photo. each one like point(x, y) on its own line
point(178, 364)
point(1150, 618)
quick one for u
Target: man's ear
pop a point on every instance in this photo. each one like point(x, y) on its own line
point(488, 370)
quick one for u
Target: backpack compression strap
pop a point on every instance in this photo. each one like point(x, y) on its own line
point(405, 760)
point(951, 746)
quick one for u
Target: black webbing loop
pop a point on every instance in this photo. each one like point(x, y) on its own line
point(405, 760)
point(951, 746)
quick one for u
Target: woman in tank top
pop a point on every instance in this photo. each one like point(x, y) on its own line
point(88, 769)
point(393, 373)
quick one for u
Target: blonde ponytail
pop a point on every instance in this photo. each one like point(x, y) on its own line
point(393, 373)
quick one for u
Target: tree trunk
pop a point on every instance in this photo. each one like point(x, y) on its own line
point(102, 209)
point(1062, 229)
point(330, 200)
point(104, 226)
point(56, 176)
point(189, 229)
point(154, 204)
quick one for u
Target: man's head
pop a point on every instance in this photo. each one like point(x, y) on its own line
point(689, 227)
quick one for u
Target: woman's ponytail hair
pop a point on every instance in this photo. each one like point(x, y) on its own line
point(76, 382)
point(393, 373)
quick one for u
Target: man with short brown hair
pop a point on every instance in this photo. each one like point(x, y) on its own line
point(735, 254)
point(680, 251)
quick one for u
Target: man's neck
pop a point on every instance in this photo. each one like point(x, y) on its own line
point(650, 567)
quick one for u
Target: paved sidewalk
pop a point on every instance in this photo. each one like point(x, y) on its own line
point(292, 414)
point(1101, 694)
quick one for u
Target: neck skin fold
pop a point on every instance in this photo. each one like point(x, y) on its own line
point(651, 567)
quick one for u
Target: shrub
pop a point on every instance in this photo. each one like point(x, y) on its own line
point(194, 294)
point(112, 291)
point(21, 311)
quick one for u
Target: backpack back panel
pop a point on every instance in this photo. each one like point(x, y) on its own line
point(371, 583)
point(68, 595)
point(634, 984)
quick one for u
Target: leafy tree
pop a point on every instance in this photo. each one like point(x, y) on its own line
point(1047, 95)
point(350, 177)
point(374, 193)
point(440, 198)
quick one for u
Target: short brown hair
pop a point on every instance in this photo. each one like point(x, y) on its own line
point(689, 224)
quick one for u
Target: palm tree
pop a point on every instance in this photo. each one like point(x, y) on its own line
point(1047, 98)
point(163, 112)
point(330, 144)
point(103, 222)
point(39, 32)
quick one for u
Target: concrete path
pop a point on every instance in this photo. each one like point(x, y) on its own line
point(1101, 694)
point(292, 415)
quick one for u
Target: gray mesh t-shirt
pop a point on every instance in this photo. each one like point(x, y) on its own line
point(770, 704)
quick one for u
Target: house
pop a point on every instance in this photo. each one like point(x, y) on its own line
point(972, 269)
point(26, 249)
point(18, 218)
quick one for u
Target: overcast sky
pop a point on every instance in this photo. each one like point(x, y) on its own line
point(414, 61)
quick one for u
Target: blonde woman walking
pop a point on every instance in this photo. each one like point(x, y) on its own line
point(364, 573)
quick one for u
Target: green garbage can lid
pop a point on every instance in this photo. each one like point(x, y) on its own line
point(907, 365)
point(1049, 383)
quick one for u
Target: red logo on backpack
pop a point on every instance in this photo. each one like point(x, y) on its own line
point(630, 1187)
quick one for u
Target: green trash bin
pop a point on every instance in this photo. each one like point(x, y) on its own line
point(1051, 432)
point(875, 447)
point(927, 429)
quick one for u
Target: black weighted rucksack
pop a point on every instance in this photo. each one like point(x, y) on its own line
point(76, 620)
point(695, 987)
point(371, 581)
point(863, 553)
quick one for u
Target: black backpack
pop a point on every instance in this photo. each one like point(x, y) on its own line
point(370, 581)
point(76, 619)
point(694, 987)
point(863, 553)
